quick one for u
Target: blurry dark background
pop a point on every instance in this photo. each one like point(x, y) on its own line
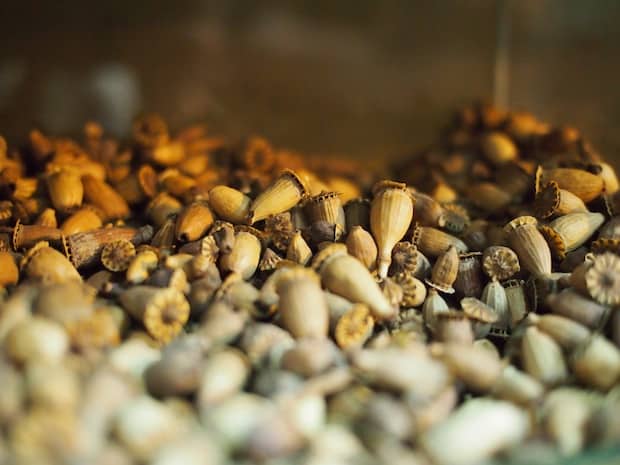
point(361, 78)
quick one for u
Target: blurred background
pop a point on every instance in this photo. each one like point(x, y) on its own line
point(371, 79)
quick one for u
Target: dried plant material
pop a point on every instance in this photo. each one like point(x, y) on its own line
point(326, 207)
point(434, 304)
point(117, 255)
point(542, 358)
point(281, 196)
point(361, 245)
point(603, 279)
point(65, 190)
point(444, 271)
point(193, 222)
point(433, 242)
point(596, 363)
point(568, 232)
point(229, 204)
point(244, 256)
point(83, 220)
point(585, 185)
point(105, 198)
point(48, 265)
point(500, 262)
point(529, 245)
point(9, 273)
point(84, 248)
point(404, 258)
point(414, 290)
point(298, 250)
point(551, 200)
point(354, 327)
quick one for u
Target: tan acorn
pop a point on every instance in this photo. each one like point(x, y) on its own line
point(9, 273)
point(193, 222)
point(357, 213)
point(25, 236)
point(105, 198)
point(346, 276)
point(245, 254)
point(65, 190)
point(583, 184)
point(354, 327)
point(529, 245)
point(454, 327)
point(542, 357)
point(445, 271)
point(229, 204)
point(117, 255)
point(85, 219)
point(551, 200)
point(84, 248)
point(302, 306)
point(596, 363)
point(326, 207)
point(44, 263)
point(391, 212)
point(298, 250)
point(433, 242)
point(361, 245)
point(282, 195)
point(518, 305)
point(161, 207)
point(433, 305)
point(162, 311)
point(566, 332)
point(568, 232)
point(498, 148)
point(47, 218)
point(500, 262)
point(481, 315)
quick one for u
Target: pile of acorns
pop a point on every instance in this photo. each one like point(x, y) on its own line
point(188, 300)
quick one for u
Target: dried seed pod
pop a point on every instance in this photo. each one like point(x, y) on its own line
point(468, 281)
point(269, 261)
point(47, 218)
point(164, 237)
point(444, 271)
point(105, 198)
point(414, 290)
point(454, 327)
point(354, 327)
point(602, 279)
point(84, 249)
point(36, 339)
point(309, 357)
point(500, 262)
point(138, 186)
point(229, 204)
point(43, 263)
point(434, 304)
point(542, 357)
point(163, 311)
point(494, 295)
point(529, 245)
point(282, 195)
point(567, 333)
point(428, 212)
point(348, 277)
point(357, 213)
point(489, 197)
point(25, 236)
point(551, 200)
point(361, 245)
point(392, 291)
point(298, 250)
point(83, 220)
point(302, 305)
point(478, 429)
point(596, 363)
point(193, 222)
point(518, 387)
point(482, 316)
point(245, 254)
point(100, 330)
point(568, 232)
point(9, 274)
point(433, 242)
point(571, 304)
point(65, 190)
point(610, 180)
point(326, 207)
point(585, 185)
point(161, 207)
point(117, 255)
point(498, 148)
point(169, 153)
point(391, 212)
point(518, 306)
point(65, 303)
point(258, 339)
point(223, 375)
point(178, 185)
point(404, 258)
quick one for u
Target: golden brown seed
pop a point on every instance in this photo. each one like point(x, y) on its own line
point(281, 196)
point(65, 190)
point(84, 248)
point(529, 245)
point(568, 232)
point(354, 327)
point(433, 242)
point(391, 212)
point(551, 200)
point(117, 255)
point(498, 148)
point(602, 279)
point(229, 204)
point(444, 271)
point(83, 220)
point(43, 263)
point(500, 262)
point(9, 274)
point(193, 222)
point(361, 245)
point(585, 185)
point(105, 198)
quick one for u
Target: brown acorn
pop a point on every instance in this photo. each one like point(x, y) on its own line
point(500, 262)
point(391, 212)
point(105, 198)
point(583, 184)
point(9, 274)
point(445, 271)
point(326, 207)
point(117, 255)
point(229, 204)
point(433, 242)
point(41, 262)
point(298, 250)
point(84, 249)
point(568, 232)
point(357, 213)
point(83, 220)
point(282, 195)
point(529, 244)
point(193, 222)
point(245, 254)
point(361, 245)
point(551, 200)
point(65, 190)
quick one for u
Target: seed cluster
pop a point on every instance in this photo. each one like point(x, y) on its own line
point(182, 299)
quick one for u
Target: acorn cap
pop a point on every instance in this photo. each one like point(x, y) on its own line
point(478, 310)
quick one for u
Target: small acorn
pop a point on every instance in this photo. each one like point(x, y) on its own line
point(568, 232)
point(229, 204)
point(193, 222)
point(445, 271)
point(391, 212)
point(361, 245)
point(529, 245)
point(282, 195)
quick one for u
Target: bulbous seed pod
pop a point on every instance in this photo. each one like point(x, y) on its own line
point(610, 180)
point(481, 315)
point(83, 220)
point(494, 295)
point(489, 197)
point(454, 327)
point(162, 311)
point(414, 291)
point(567, 333)
point(551, 200)
point(9, 274)
point(433, 242)
point(47, 218)
point(65, 190)
point(444, 271)
point(433, 306)
point(161, 207)
point(354, 327)
point(25, 236)
point(298, 250)
point(542, 357)
point(518, 306)
point(500, 262)
point(282, 195)
point(245, 254)
point(327, 207)
point(117, 255)
point(43, 263)
point(498, 148)
point(468, 281)
point(224, 236)
point(357, 213)
point(455, 218)
point(223, 375)
point(572, 305)
point(361, 245)
point(391, 212)
point(105, 198)
point(36, 339)
point(428, 212)
point(84, 249)
point(596, 363)
point(529, 245)
point(65, 303)
point(585, 185)
point(193, 222)
point(229, 204)
point(602, 279)
point(568, 232)
point(348, 277)
point(518, 387)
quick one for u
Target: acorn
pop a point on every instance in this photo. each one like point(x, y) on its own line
point(117, 255)
point(354, 327)
point(568, 232)
point(444, 271)
point(85, 219)
point(44, 263)
point(193, 222)
point(500, 262)
point(542, 357)
point(9, 273)
point(282, 195)
point(348, 277)
point(302, 306)
point(84, 248)
point(529, 245)
point(583, 184)
point(245, 254)
point(162, 311)
point(433, 242)
point(65, 190)
point(105, 198)
point(298, 250)
point(361, 245)
point(391, 212)
point(551, 200)
point(327, 207)
point(229, 204)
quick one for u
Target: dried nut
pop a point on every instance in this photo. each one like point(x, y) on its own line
point(229, 204)
point(433, 306)
point(223, 375)
point(498, 148)
point(568, 232)
point(244, 256)
point(551, 200)
point(573, 305)
point(117, 255)
point(84, 248)
point(65, 190)
point(281, 196)
point(36, 339)
point(327, 207)
point(302, 305)
point(83, 220)
point(162, 311)
point(468, 281)
point(43, 263)
point(298, 250)
point(445, 271)
point(141, 266)
point(428, 212)
point(414, 290)
point(482, 316)
point(602, 279)
point(161, 208)
point(433, 242)
point(454, 327)
point(518, 305)
point(585, 185)
point(391, 212)
point(494, 295)
point(193, 222)
point(500, 262)
point(9, 274)
point(529, 244)
point(346, 276)
point(596, 363)
point(542, 357)
point(361, 245)
point(354, 327)
point(105, 198)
